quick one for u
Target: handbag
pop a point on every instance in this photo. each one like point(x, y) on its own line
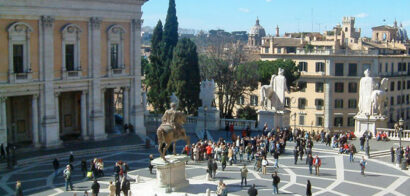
point(89, 174)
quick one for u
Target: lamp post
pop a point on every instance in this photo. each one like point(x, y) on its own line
point(205, 112)
point(294, 121)
point(368, 136)
point(399, 129)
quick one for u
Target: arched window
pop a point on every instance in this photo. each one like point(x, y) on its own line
point(71, 48)
point(19, 50)
point(115, 49)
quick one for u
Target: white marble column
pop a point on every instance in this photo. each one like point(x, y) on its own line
point(137, 110)
point(84, 133)
point(50, 134)
point(126, 105)
point(34, 120)
point(3, 121)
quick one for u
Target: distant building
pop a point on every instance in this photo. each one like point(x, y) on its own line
point(255, 35)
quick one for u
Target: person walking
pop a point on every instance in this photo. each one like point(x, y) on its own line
point(19, 189)
point(150, 166)
point(276, 157)
point(244, 175)
point(219, 188)
point(275, 183)
point(362, 140)
point(223, 161)
point(67, 177)
point(56, 165)
point(95, 187)
point(363, 164)
point(308, 188)
point(214, 168)
point(210, 167)
point(111, 188)
point(295, 154)
point(71, 158)
point(117, 188)
point(309, 161)
point(392, 154)
point(264, 165)
point(125, 186)
point(252, 191)
point(317, 163)
point(84, 167)
point(352, 150)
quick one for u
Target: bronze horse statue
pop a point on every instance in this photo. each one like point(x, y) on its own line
point(167, 134)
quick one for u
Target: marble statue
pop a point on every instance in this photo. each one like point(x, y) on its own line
point(379, 97)
point(174, 99)
point(273, 95)
point(367, 84)
point(207, 93)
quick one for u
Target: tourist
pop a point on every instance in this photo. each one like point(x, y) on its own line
point(317, 163)
point(71, 158)
point(111, 188)
point(241, 151)
point(295, 154)
point(150, 166)
point(392, 154)
point(84, 167)
point(363, 164)
point(219, 188)
point(308, 188)
point(309, 161)
point(352, 151)
point(301, 147)
point(2, 152)
point(67, 178)
point(19, 189)
point(125, 186)
point(275, 183)
point(223, 161)
point(230, 155)
point(244, 175)
point(117, 188)
point(214, 168)
point(248, 150)
point(276, 157)
point(95, 187)
point(210, 167)
point(264, 165)
point(252, 191)
point(56, 165)
point(362, 140)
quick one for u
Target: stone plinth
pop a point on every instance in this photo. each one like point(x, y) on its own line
point(212, 119)
point(171, 174)
point(273, 119)
point(362, 124)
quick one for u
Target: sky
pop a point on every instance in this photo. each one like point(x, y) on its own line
point(289, 15)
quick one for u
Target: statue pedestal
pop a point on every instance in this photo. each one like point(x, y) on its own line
point(171, 174)
point(362, 124)
point(273, 119)
point(212, 119)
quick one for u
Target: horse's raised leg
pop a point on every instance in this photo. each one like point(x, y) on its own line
point(164, 151)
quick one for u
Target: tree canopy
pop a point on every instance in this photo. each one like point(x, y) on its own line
point(267, 68)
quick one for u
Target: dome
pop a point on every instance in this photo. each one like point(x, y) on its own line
point(402, 34)
point(257, 30)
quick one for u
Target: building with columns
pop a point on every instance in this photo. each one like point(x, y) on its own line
point(331, 66)
point(62, 62)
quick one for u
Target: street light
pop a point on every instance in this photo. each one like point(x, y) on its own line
point(399, 129)
point(368, 136)
point(294, 121)
point(205, 111)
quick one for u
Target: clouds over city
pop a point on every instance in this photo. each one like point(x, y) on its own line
point(362, 15)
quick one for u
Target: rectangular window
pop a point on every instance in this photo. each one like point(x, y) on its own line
point(302, 103)
point(339, 69)
point(319, 87)
point(352, 69)
point(339, 103)
point(386, 67)
point(352, 103)
point(254, 100)
point(241, 100)
point(398, 85)
point(391, 100)
point(403, 84)
point(302, 86)
point(320, 67)
point(339, 87)
point(303, 66)
point(398, 99)
point(408, 84)
point(287, 102)
point(350, 121)
point(392, 68)
point(319, 104)
point(266, 50)
point(352, 87)
point(279, 50)
point(407, 99)
point(392, 86)
point(18, 63)
point(301, 120)
point(319, 121)
point(338, 122)
point(399, 67)
point(114, 56)
point(69, 57)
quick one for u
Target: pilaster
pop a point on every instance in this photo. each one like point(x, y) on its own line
point(3, 121)
point(34, 120)
point(84, 132)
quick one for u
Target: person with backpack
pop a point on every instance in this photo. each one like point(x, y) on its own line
point(252, 191)
point(95, 187)
point(67, 178)
point(275, 183)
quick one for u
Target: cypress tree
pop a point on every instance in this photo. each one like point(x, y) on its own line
point(155, 70)
point(185, 78)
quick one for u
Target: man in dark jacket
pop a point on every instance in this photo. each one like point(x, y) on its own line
point(117, 188)
point(309, 161)
point(125, 186)
point(214, 168)
point(56, 165)
point(252, 191)
point(295, 154)
point(95, 187)
point(71, 158)
point(210, 167)
point(275, 183)
point(84, 167)
point(392, 154)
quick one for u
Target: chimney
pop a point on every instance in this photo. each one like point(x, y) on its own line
point(277, 31)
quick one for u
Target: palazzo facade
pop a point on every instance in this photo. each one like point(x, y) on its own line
point(61, 65)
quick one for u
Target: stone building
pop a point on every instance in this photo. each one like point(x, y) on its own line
point(331, 66)
point(255, 35)
point(60, 64)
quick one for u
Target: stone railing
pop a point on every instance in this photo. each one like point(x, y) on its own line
point(238, 124)
point(393, 135)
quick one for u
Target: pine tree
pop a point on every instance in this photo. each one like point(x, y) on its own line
point(155, 70)
point(185, 78)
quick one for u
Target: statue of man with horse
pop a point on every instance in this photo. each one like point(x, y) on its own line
point(171, 130)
